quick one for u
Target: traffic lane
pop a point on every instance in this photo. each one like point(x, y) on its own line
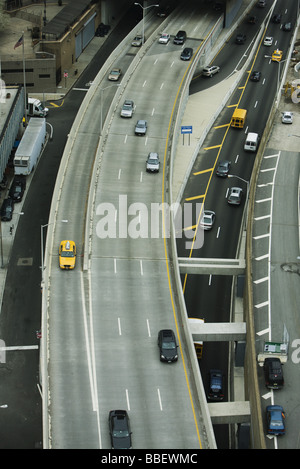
point(283, 284)
point(224, 57)
point(73, 420)
point(161, 385)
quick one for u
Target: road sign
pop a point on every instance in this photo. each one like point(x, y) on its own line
point(186, 129)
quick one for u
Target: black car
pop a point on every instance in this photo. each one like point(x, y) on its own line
point(252, 19)
point(215, 392)
point(119, 429)
point(255, 76)
point(223, 168)
point(273, 373)
point(180, 37)
point(167, 346)
point(17, 188)
point(276, 18)
point(240, 38)
point(7, 209)
point(186, 54)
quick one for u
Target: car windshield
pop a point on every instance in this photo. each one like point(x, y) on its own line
point(120, 433)
point(152, 161)
point(140, 126)
point(168, 345)
point(114, 72)
point(67, 254)
point(207, 219)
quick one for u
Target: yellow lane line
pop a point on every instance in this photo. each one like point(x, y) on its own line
point(202, 172)
point(167, 259)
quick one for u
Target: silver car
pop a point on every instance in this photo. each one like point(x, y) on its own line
point(235, 196)
point(207, 220)
point(138, 41)
point(287, 117)
point(210, 71)
point(127, 108)
point(152, 163)
point(114, 74)
point(141, 127)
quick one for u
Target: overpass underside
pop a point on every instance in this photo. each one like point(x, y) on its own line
point(220, 412)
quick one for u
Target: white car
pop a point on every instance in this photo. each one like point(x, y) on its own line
point(287, 117)
point(268, 41)
point(164, 38)
point(152, 163)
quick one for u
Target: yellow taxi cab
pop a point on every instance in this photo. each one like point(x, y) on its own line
point(67, 254)
point(277, 55)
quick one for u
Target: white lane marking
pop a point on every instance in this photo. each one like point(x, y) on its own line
point(141, 267)
point(148, 328)
point(159, 399)
point(261, 280)
point(119, 326)
point(127, 399)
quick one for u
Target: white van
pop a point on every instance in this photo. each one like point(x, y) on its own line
point(36, 109)
point(251, 142)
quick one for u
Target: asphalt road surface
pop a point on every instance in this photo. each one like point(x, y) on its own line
point(21, 418)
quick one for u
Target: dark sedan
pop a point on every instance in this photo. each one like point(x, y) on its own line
point(186, 54)
point(215, 392)
point(166, 342)
point(223, 168)
point(255, 76)
point(17, 189)
point(119, 428)
point(7, 209)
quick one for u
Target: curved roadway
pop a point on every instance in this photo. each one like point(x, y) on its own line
point(102, 332)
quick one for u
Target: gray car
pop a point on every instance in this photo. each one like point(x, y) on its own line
point(235, 196)
point(152, 163)
point(127, 108)
point(141, 127)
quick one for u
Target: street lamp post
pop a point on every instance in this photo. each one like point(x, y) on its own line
point(145, 8)
point(247, 194)
point(101, 103)
point(278, 72)
point(42, 247)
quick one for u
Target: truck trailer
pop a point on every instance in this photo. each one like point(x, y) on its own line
point(30, 147)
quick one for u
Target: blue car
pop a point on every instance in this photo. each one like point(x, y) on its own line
point(275, 420)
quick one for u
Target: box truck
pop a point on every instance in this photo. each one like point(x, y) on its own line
point(238, 118)
point(30, 146)
point(36, 109)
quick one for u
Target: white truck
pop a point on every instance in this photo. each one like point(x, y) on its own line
point(35, 108)
point(30, 146)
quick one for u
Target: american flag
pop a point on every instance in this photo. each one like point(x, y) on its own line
point(19, 42)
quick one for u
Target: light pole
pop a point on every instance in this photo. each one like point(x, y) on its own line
point(278, 73)
point(145, 8)
point(101, 104)
point(247, 194)
point(42, 247)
